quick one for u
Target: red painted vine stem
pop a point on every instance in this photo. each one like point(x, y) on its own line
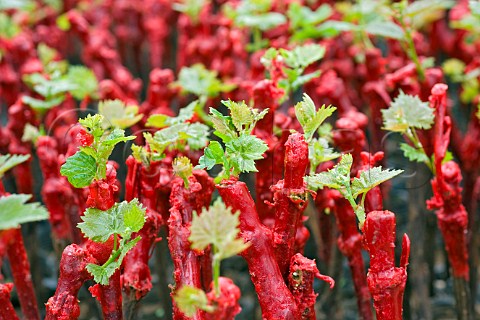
point(13, 240)
point(7, 311)
point(350, 244)
point(303, 272)
point(290, 200)
point(187, 269)
point(276, 300)
point(12, 244)
point(447, 201)
point(136, 276)
point(385, 281)
point(270, 169)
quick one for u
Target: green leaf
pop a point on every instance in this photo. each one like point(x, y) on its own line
point(80, 169)
point(223, 125)
point(387, 29)
point(162, 121)
point(30, 133)
point(303, 17)
point(84, 80)
point(454, 68)
point(213, 154)
point(14, 210)
point(337, 178)
point(17, 4)
point(63, 23)
point(244, 151)
point(319, 151)
point(190, 299)
point(8, 161)
point(46, 54)
point(201, 81)
point(102, 274)
point(49, 88)
point(332, 28)
point(264, 21)
point(406, 112)
point(117, 114)
point(413, 154)
point(8, 27)
point(371, 178)
point(240, 113)
point(42, 105)
point(303, 56)
point(309, 118)
point(123, 218)
point(166, 137)
point(197, 135)
point(115, 137)
point(423, 12)
point(191, 8)
point(219, 227)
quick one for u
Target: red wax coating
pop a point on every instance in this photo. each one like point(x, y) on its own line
point(57, 192)
point(447, 193)
point(385, 281)
point(73, 273)
point(303, 272)
point(276, 301)
point(21, 272)
point(350, 244)
point(265, 95)
point(110, 297)
point(7, 311)
point(136, 275)
point(186, 262)
point(373, 199)
point(290, 200)
point(452, 217)
point(226, 304)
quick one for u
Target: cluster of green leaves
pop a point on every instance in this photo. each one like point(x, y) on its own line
point(413, 16)
point(118, 114)
point(201, 82)
point(366, 17)
point(304, 23)
point(57, 80)
point(376, 17)
point(14, 209)
point(121, 220)
point(338, 178)
point(405, 115)
point(296, 61)
point(90, 162)
point(455, 70)
point(175, 134)
point(216, 227)
point(311, 121)
point(191, 8)
point(470, 22)
point(241, 148)
point(257, 16)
